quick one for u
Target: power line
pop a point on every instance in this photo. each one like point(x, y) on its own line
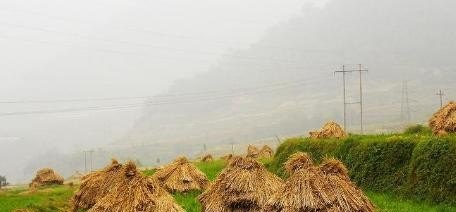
point(169, 95)
point(148, 103)
point(142, 54)
point(162, 34)
point(133, 43)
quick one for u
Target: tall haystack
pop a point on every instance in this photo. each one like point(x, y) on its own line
point(135, 192)
point(244, 185)
point(329, 130)
point(348, 197)
point(266, 152)
point(182, 176)
point(444, 120)
point(252, 151)
point(207, 158)
point(94, 186)
point(46, 176)
point(305, 190)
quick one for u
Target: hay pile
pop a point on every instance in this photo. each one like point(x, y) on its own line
point(207, 158)
point(244, 185)
point(329, 130)
point(94, 186)
point(74, 178)
point(181, 176)
point(323, 188)
point(227, 157)
point(46, 176)
point(252, 151)
point(134, 192)
point(305, 190)
point(444, 120)
point(348, 197)
point(266, 152)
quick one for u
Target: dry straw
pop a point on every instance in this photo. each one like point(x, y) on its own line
point(266, 152)
point(329, 130)
point(134, 192)
point(94, 186)
point(324, 188)
point(252, 151)
point(207, 158)
point(244, 185)
point(348, 197)
point(181, 176)
point(444, 120)
point(305, 190)
point(46, 176)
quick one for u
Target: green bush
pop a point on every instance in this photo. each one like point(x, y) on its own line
point(417, 129)
point(416, 165)
point(432, 169)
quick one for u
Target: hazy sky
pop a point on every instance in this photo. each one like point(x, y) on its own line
point(59, 50)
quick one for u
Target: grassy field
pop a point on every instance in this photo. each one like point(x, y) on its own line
point(56, 198)
point(52, 198)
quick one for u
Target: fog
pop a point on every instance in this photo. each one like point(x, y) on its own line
point(144, 80)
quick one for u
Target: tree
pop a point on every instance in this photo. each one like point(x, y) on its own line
point(3, 181)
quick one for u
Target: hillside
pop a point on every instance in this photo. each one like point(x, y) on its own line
point(284, 84)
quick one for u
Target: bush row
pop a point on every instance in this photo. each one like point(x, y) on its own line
point(421, 166)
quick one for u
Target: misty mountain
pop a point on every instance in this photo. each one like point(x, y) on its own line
point(284, 84)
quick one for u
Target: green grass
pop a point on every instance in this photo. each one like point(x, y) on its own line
point(56, 198)
point(389, 202)
point(188, 201)
point(211, 169)
point(51, 198)
point(149, 172)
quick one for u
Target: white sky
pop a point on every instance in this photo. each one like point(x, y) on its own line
point(53, 49)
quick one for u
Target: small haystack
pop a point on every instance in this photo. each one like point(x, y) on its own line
point(227, 157)
point(244, 185)
point(75, 178)
point(329, 130)
point(266, 152)
point(252, 151)
point(94, 186)
point(135, 192)
point(207, 158)
point(305, 190)
point(182, 176)
point(348, 197)
point(46, 176)
point(444, 120)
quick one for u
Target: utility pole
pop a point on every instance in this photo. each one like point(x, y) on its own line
point(405, 103)
point(232, 147)
point(440, 94)
point(344, 72)
point(85, 161)
point(91, 160)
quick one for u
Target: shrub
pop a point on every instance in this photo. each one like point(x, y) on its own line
point(417, 129)
point(432, 171)
point(415, 165)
